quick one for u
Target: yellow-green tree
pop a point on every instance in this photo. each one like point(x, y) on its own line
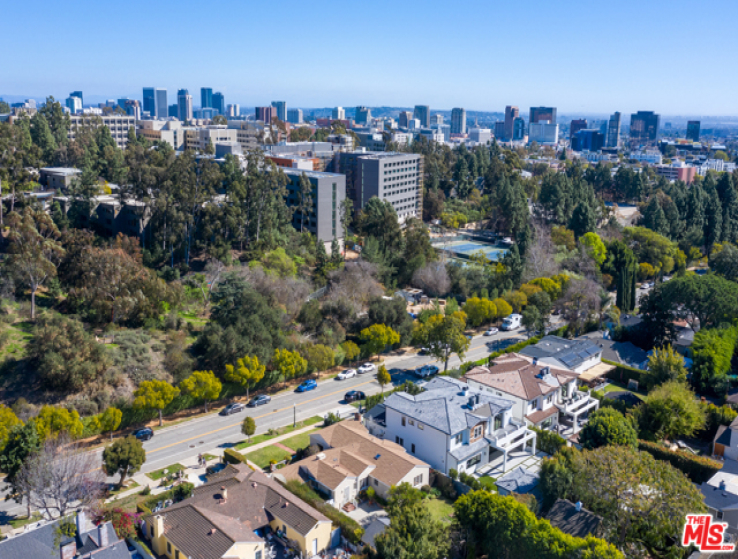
point(51, 421)
point(351, 351)
point(319, 357)
point(154, 395)
point(645, 270)
point(110, 420)
point(383, 377)
point(550, 286)
point(247, 372)
point(8, 420)
point(480, 311)
point(290, 364)
point(666, 365)
point(248, 427)
point(203, 385)
point(377, 337)
point(442, 335)
point(516, 299)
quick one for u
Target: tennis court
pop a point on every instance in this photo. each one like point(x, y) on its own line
point(466, 249)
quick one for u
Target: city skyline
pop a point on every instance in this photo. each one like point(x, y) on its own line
point(538, 63)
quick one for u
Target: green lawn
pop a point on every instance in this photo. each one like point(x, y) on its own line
point(263, 456)
point(130, 484)
point(613, 387)
point(158, 474)
point(440, 508)
point(19, 521)
point(298, 441)
point(488, 482)
point(281, 431)
point(209, 457)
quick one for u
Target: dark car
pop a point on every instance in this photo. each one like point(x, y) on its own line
point(307, 385)
point(232, 408)
point(354, 396)
point(144, 434)
point(396, 371)
point(259, 400)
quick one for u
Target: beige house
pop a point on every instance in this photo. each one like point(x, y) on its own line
point(352, 460)
point(230, 517)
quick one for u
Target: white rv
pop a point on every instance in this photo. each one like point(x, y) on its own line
point(512, 322)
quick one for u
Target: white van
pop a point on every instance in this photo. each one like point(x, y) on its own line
point(512, 322)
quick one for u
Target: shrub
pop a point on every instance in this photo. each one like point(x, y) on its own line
point(233, 457)
point(444, 485)
point(183, 491)
point(453, 474)
point(623, 374)
point(548, 441)
point(146, 491)
point(697, 468)
point(426, 489)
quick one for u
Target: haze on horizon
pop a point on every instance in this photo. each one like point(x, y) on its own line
point(578, 56)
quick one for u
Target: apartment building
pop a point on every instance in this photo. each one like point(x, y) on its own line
point(329, 191)
point(677, 171)
point(169, 131)
point(117, 124)
point(391, 176)
point(197, 139)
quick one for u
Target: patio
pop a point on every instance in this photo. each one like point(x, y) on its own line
point(495, 467)
point(364, 513)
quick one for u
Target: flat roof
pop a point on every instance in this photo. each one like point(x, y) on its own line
point(61, 170)
point(313, 174)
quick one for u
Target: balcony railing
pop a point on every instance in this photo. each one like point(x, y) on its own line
point(511, 433)
point(579, 403)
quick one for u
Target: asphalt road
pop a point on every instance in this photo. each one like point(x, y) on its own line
point(213, 433)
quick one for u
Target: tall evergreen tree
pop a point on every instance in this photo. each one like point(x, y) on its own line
point(729, 203)
point(713, 217)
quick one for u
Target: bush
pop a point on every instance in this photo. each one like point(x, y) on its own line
point(548, 441)
point(330, 419)
point(146, 491)
point(453, 474)
point(426, 489)
point(183, 491)
point(233, 457)
point(622, 374)
point(697, 468)
point(444, 485)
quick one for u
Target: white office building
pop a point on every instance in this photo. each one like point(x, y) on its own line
point(543, 132)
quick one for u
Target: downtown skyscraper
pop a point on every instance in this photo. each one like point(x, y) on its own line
point(458, 121)
point(155, 102)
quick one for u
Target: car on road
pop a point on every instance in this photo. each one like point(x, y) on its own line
point(348, 373)
point(307, 385)
point(367, 368)
point(426, 371)
point(232, 408)
point(354, 396)
point(144, 434)
point(491, 332)
point(396, 371)
point(259, 401)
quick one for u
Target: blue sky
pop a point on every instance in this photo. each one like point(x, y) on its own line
point(674, 57)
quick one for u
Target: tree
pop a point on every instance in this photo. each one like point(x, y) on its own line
point(67, 357)
point(480, 311)
point(383, 377)
point(608, 426)
point(432, 279)
point(669, 411)
point(443, 335)
point(622, 265)
point(376, 337)
point(154, 395)
point(305, 199)
point(247, 372)
point(52, 421)
point(248, 427)
point(60, 477)
point(666, 365)
point(290, 364)
point(583, 220)
point(23, 441)
point(378, 219)
point(595, 247)
point(34, 250)
point(320, 357)
point(351, 351)
point(124, 457)
point(561, 236)
point(203, 385)
point(392, 313)
point(531, 319)
point(503, 308)
point(110, 420)
point(8, 420)
point(725, 261)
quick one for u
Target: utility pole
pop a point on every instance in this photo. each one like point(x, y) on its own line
point(294, 415)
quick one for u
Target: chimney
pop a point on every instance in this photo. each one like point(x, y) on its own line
point(102, 535)
point(68, 548)
point(83, 522)
point(223, 492)
point(212, 531)
point(158, 525)
point(722, 484)
point(578, 506)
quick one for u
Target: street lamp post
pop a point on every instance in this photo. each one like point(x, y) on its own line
point(294, 415)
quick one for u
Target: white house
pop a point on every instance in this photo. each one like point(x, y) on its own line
point(452, 426)
point(540, 393)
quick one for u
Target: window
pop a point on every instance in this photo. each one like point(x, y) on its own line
point(418, 480)
point(176, 554)
point(719, 515)
point(258, 554)
point(403, 421)
point(420, 426)
point(477, 431)
point(169, 547)
point(412, 423)
point(412, 448)
point(474, 461)
point(400, 441)
point(376, 483)
point(459, 438)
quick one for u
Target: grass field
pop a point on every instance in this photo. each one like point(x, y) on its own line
point(263, 456)
point(298, 441)
point(129, 484)
point(614, 387)
point(440, 508)
point(488, 482)
point(23, 520)
point(282, 431)
point(158, 474)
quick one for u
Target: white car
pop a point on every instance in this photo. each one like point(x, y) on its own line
point(491, 332)
point(367, 368)
point(348, 373)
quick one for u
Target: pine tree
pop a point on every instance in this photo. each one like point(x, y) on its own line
point(654, 217)
point(336, 258)
point(729, 202)
point(713, 217)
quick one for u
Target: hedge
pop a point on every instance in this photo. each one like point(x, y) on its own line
point(232, 457)
point(623, 373)
point(350, 529)
point(697, 468)
point(548, 441)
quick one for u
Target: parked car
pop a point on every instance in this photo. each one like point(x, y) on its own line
point(354, 396)
point(396, 371)
point(367, 368)
point(144, 434)
point(259, 400)
point(348, 373)
point(426, 371)
point(232, 408)
point(307, 385)
point(491, 332)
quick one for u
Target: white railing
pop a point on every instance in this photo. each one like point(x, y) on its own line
point(577, 404)
point(512, 432)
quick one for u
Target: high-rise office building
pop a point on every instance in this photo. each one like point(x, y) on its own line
point(577, 125)
point(693, 130)
point(500, 130)
point(511, 113)
point(543, 132)
point(78, 94)
point(281, 107)
point(173, 111)
point(644, 126)
point(436, 119)
point(206, 97)
point(518, 128)
point(613, 130)
point(458, 121)
point(404, 118)
point(265, 114)
point(184, 104)
point(587, 140)
point(294, 116)
point(422, 113)
point(219, 103)
point(233, 110)
point(132, 108)
point(74, 104)
point(339, 114)
point(539, 114)
point(363, 115)
point(155, 102)
point(323, 219)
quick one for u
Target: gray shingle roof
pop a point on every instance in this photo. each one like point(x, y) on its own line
point(466, 451)
point(518, 480)
point(717, 498)
point(571, 353)
point(625, 353)
point(39, 544)
point(448, 405)
point(564, 516)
